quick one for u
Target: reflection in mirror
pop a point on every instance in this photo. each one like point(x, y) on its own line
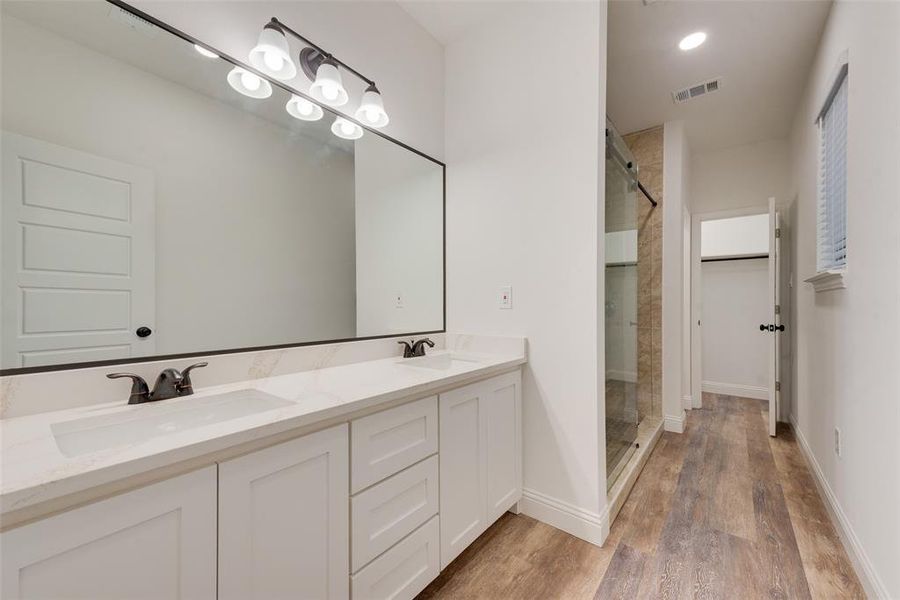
point(149, 209)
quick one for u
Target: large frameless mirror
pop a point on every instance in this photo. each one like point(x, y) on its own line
point(148, 209)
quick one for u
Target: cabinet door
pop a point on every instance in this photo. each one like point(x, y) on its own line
point(283, 520)
point(158, 541)
point(462, 470)
point(502, 441)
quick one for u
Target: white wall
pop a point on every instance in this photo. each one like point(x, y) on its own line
point(735, 236)
point(226, 175)
point(847, 358)
point(740, 177)
point(377, 38)
point(525, 208)
point(735, 352)
point(399, 241)
point(676, 172)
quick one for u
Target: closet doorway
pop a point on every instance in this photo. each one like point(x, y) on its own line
point(738, 307)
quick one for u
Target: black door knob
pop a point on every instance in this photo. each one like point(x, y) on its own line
point(143, 332)
point(762, 327)
point(779, 328)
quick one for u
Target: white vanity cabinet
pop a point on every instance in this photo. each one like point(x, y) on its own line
point(369, 509)
point(157, 541)
point(283, 520)
point(480, 452)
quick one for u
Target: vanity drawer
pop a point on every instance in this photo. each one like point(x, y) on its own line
point(382, 515)
point(389, 441)
point(404, 570)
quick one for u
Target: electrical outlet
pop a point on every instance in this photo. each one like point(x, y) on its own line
point(504, 297)
point(837, 441)
point(399, 300)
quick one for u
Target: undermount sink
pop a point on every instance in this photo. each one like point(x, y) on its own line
point(440, 362)
point(148, 421)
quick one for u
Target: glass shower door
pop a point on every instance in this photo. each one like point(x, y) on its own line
point(620, 305)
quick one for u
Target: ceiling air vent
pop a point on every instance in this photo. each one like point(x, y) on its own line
point(697, 90)
point(132, 21)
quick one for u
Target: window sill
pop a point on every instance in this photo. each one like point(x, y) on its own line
point(828, 280)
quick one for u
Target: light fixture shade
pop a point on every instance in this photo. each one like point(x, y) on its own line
point(249, 84)
point(272, 54)
point(204, 52)
point(328, 87)
point(346, 129)
point(371, 109)
point(303, 109)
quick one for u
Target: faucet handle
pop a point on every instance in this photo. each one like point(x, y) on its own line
point(407, 348)
point(140, 391)
point(185, 388)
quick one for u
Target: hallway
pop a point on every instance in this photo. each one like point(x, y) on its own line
point(722, 511)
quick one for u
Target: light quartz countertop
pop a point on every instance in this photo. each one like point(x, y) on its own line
point(34, 470)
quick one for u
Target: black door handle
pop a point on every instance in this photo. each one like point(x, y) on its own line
point(143, 331)
point(770, 327)
point(779, 328)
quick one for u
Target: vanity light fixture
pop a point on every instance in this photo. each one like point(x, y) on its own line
point(328, 87)
point(204, 52)
point(249, 84)
point(272, 54)
point(303, 109)
point(346, 129)
point(371, 109)
point(689, 42)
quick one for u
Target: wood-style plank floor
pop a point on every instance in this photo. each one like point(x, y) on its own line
point(722, 511)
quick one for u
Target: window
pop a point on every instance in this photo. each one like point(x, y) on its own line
point(831, 252)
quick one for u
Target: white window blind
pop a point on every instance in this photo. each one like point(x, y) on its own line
point(831, 252)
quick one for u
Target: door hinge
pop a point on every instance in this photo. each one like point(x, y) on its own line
point(778, 232)
point(777, 386)
point(777, 309)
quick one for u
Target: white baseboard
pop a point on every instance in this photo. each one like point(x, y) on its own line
point(674, 423)
point(869, 578)
point(619, 375)
point(736, 389)
point(687, 402)
point(584, 524)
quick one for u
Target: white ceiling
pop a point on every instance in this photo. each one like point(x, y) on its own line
point(449, 20)
point(762, 50)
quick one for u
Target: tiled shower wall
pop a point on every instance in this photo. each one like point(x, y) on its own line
point(647, 148)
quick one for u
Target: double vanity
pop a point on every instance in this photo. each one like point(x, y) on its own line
point(356, 481)
point(182, 203)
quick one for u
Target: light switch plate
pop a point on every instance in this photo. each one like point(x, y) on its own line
point(504, 297)
point(399, 300)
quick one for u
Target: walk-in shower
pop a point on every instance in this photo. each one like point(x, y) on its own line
point(624, 192)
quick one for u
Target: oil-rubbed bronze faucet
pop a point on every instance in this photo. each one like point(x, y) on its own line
point(170, 384)
point(416, 348)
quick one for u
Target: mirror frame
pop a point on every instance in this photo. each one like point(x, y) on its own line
point(276, 83)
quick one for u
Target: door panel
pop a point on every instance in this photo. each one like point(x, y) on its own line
point(283, 520)
point(158, 541)
point(77, 238)
point(503, 447)
point(773, 316)
point(462, 470)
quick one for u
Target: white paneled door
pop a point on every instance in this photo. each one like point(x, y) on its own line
point(776, 325)
point(78, 263)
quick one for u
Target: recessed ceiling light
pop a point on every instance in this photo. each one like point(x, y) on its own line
point(203, 51)
point(689, 42)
